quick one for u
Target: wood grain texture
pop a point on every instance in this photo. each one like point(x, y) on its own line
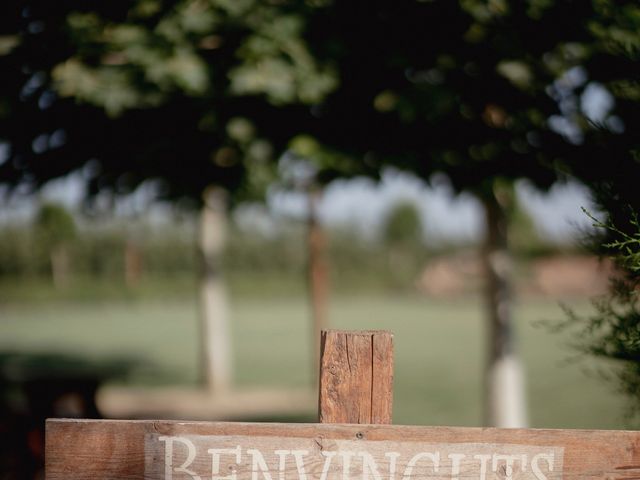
point(356, 377)
point(356, 387)
point(108, 449)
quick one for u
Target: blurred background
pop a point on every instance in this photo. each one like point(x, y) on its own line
point(190, 190)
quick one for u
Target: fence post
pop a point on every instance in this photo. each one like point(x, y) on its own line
point(356, 377)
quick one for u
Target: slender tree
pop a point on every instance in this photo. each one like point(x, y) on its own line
point(454, 87)
point(318, 273)
point(55, 229)
point(151, 90)
point(402, 236)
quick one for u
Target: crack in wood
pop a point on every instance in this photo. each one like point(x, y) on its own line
point(373, 379)
point(355, 377)
point(629, 468)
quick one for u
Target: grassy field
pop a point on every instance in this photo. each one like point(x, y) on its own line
point(439, 350)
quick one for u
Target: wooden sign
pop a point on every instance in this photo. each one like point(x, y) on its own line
point(356, 377)
point(164, 450)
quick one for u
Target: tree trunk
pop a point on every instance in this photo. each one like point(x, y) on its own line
point(318, 275)
point(216, 337)
point(505, 404)
point(132, 264)
point(59, 258)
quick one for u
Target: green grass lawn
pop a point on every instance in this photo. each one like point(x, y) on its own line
point(438, 345)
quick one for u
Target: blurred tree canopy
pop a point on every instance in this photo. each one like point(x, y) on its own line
point(607, 159)
point(402, 225)
point(161, 90)
point(428, 86)
point(128, 90)
point(55, 224)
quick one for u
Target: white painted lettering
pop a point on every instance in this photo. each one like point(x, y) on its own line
point(369, 465)
point(169, 469)
point(549, 457)
point(297, 455)
point(393, 461)
point(237, 457)
point(282, 464)
point(484, 460)
point(455, 464)
point(258, 465)
point(215, 461)
point(435, 461)
point(508, 460)
point(346, 455)
point(328, 456)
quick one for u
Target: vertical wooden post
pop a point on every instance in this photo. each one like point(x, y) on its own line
point(356, 377)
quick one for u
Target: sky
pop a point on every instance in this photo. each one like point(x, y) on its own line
point(363, 204)
point(446, 217)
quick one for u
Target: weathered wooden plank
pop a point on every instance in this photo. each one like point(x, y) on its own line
point(356, 377)
point(154, 450)
point(382, 384)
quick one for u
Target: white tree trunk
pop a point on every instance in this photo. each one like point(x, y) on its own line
point(216, 335)
point(506, 393)
point(505, 401)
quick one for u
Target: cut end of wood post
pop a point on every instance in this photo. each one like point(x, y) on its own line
point(356, 377)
